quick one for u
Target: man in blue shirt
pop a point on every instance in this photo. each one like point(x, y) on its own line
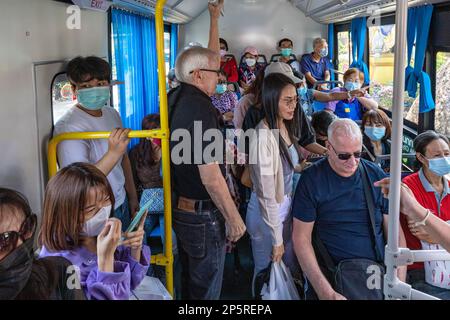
point(315, 65)
point(330, 195)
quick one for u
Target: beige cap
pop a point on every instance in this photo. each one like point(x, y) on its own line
point(283, 68)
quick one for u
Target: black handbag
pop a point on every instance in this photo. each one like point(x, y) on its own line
point(355, 279)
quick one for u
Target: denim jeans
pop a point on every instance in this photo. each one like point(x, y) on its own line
point(201, 246)
point(261, 238)
point(123, 214)
point(416, 278)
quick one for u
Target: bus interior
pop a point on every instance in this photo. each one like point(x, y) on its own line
point(41, 36)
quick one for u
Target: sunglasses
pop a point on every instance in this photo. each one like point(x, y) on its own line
point(9, 239)
point(346, 156)
point(217, 72)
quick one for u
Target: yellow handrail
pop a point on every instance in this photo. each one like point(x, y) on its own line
point(164, 114)
point(52, 145)
point(165, 259)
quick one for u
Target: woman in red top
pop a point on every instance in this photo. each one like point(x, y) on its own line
point(432, 190)
point(228, 64)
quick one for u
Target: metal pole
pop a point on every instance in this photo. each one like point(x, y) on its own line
point(164, 112)
point(397, 135)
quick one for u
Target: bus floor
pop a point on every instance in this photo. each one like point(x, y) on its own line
point(238, 270)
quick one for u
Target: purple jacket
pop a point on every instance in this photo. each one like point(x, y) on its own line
point(128, 273)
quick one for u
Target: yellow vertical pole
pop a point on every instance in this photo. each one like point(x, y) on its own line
point(164, 143)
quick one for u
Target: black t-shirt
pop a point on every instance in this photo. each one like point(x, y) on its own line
point(254, 115)
point(191, 111)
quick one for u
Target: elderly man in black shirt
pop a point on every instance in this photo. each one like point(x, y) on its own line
point(204, 213)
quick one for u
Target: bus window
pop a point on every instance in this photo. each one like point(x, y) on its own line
point(167, 54)
point(344, 52)
point(381, 46)
point(62, 96)
point(442, 112)
point(115, 89)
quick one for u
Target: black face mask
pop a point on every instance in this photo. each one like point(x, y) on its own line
point(15, 270)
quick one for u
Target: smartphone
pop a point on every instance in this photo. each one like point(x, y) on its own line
point(138, 217)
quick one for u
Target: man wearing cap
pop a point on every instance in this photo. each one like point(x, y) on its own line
point(249, 67)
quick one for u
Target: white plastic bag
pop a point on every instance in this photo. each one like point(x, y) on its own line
point(281, 285)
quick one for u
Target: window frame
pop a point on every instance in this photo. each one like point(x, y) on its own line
point(63, 72)
point(387, 19)
point(341, 27)
point(429, 118)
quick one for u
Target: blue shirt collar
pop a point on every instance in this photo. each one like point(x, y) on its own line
point(429, 188)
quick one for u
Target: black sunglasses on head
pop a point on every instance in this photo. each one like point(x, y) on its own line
point(346, 156)
point(9, 239)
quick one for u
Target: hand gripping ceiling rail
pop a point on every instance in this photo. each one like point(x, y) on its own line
point(165, 259)
point(394, 256)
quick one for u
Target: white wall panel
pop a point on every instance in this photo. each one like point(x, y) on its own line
point(34, 31)
point(260, 23)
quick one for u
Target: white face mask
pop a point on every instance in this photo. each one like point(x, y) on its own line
point(250, 62)
point(95, 225)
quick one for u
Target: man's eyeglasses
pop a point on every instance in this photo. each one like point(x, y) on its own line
point(217, 72)
point(9, 239)
point(346, 156)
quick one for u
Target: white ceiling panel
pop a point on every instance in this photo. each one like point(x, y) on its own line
point(322, 11)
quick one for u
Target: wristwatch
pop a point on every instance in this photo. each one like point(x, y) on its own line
point(423, 222)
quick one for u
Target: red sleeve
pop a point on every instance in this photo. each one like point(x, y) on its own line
point(411, 241)
point(230, 69)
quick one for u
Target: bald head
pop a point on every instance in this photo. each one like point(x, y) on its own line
point(344, 129)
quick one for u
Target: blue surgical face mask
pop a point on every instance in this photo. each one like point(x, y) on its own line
point(286, 52)
point(375, 133)
point(302, 91)
point(439, 166)
point(324, 52)
point(221, 88)
point(350, 86)
point(93, 98)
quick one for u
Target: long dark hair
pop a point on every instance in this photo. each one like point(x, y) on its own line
point(271, 93)
point(272, 87)
point(146, 154)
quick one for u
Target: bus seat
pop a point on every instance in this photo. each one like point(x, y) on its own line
point(261, 60)
point(407, 158)
point(156, 233)
point(276, 57)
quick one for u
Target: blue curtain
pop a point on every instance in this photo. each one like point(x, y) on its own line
point(173, 44)
point(331, 49)
point(136, 64)
point(358, 33)
point(419, 19)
